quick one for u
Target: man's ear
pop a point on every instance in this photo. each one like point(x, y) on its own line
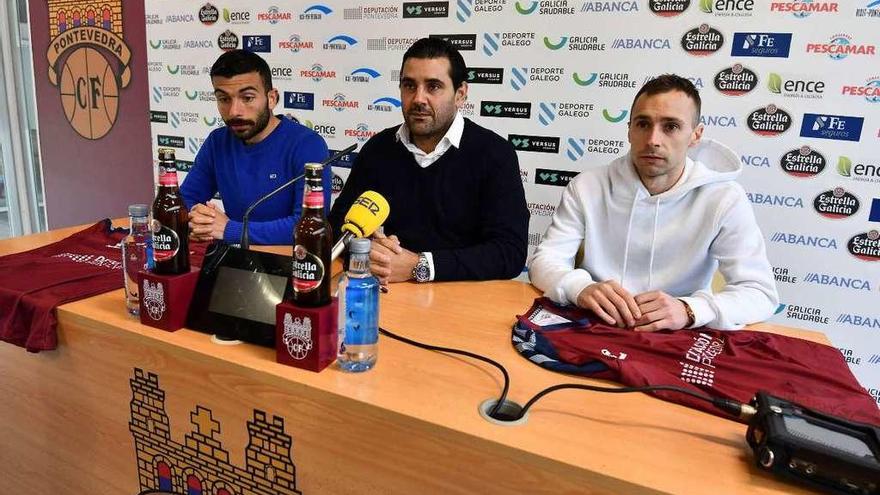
point(697, 135)
point(272, 95)
point(461, 94)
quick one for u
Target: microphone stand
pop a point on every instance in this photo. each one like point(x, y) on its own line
point(244, 220)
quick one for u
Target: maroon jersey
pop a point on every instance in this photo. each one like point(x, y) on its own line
point(729, 364)
point(34, 282)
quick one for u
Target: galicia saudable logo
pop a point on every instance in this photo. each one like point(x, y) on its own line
point(539, 144)
point(550, 177)
point(803, 162)
point(423, 10)
point(769, 121)
point(462, 42)
point(506, 109)
point(865, 246)
point(761, 45)
point(485, 75)
point(836, 204)
point(702, 40)
point(736, 80)
point(837, 127)
point(668, 8)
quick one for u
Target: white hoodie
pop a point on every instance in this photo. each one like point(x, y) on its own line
point(673, 242)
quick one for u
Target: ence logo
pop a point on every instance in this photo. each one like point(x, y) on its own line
point(89, 85)
point(315, 13)
point(836, 204)
point(728, 8)
point(702, 41)
point(862, 172)
point(865, 246)
point(803, 162)
point(668, 8)
point(736, 80)
point(769, 121)
point(790, 87)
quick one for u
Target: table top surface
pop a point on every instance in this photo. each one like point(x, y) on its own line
point(632, 437)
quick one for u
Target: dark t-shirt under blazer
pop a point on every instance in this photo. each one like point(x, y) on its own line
point(468, 208)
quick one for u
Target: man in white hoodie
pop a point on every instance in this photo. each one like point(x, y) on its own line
point(654, 226)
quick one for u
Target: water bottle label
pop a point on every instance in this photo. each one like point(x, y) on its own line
point(166, 243)
point(308, 270)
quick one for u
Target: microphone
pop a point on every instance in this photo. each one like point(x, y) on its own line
point(366, 214)
point(244, 220)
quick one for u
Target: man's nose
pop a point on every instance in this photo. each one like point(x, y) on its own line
point(655, 135)
point(236, 107)
point(420, 95)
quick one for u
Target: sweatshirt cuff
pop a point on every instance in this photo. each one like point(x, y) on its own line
point(573, 283)
point(232, 232)
point(703, 312)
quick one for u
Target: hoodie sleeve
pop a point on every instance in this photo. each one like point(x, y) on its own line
point(749, 295)
point(552, 266)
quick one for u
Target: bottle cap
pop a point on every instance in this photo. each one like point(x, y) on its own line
point(166, 154)
point(138, 210)
point(314, 167)
point(360, 246)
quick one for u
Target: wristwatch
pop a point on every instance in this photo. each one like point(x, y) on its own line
point(422, 271)
point(690, 314)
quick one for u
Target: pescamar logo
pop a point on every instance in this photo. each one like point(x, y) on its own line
point(538, 144)
point(158, 117)
point(208, 14)
point(837, 127)
point(315, 13)
point(425, 10)
point(361, 132)
point(261, 43)
point(836, 204)
point(736, 80)
point(803, 8)
point(728, 8)
point(769, 121)
point(865, 246)
point(775, 200)
point(227, 40)
point(863, 172)
point(791, 87)
point(299, 101)
point(462, 42)
point(761, 45)
point(485, 75)
point(804, 240)
point(317, 73)
point(668, 8)
point(702, 40)
point(870, 90)
point(549, 177)
point(506, 109)
point(172, 141)
point(803, 162)
point(339, 103)
point(295, 43)
point(840, 46)
point(274, 15)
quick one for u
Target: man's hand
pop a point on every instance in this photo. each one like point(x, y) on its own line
point(611, 302)
point(206, 222)
point(660, 311)
point(390, 262)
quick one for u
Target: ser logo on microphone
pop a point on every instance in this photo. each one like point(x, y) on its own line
point(369, 204)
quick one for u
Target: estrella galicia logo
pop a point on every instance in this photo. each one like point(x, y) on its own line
point(576, 148)
point(668, 8)
point(506, 109)
point(485, 75)
point(736, 80)
point(462, 42)
point(227, 40)
point(336, 184)
point(769, 121)
point(299, 101)
point(208, 14)
point(538, 144)
point(158, 117)
point(837, 127)
point(702, 40)
point(865, 246)
point(172, 141)
point(761, 45)
point(261, 43)
point(423, 10)
point(315, 13)
point(550, 177)
point(836, 204)
point(803, 162)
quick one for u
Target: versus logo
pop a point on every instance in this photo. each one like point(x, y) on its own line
point(299, 101)
point(836, 204)
point(870, 90)
point(668, 8)
point(315, 13)
point(736, 80)
point(839, 47)
point(860, 171)
point(386, 104)
point(463, 42)
point(362, 75)
point(295, 43)
point(485, 75)
point(172, 141)
point(775, 200)
point(837, 127)
point(227, 40)
point(803, 162)
point(340, 42)
point(804, 240)
point(603, 7)
point(803, 8)
point(208, 14)
point(158, 117)
point(538, 144)
point(865, 246)
point(702, 40)
point(261, 43)
point(795, 88)
point(728, 8)
point(506, 109)
point(761, 45)
point(417, 10)
point(769, 121)
point(549, 177)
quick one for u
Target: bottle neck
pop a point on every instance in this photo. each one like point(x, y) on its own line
point(138, 224)
point(167, 175)
point(359, 264)
point(313, 195)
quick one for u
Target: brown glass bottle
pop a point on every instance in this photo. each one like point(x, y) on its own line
point(170, 220)
point(312, 244)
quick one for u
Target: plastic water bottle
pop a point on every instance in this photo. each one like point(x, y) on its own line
point(137, 254)
point(358, 312)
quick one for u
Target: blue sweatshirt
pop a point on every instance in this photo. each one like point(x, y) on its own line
point(242, 174)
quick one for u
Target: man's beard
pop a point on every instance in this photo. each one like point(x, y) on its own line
point(257, 127)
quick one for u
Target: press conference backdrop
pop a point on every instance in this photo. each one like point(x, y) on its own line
point(792, 86)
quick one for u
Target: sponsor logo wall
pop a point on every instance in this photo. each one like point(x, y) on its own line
point(792, 86)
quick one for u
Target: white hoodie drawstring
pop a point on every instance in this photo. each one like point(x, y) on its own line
point(653, 240)
point(632, 210)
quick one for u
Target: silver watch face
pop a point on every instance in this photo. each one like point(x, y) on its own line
point(421, 272)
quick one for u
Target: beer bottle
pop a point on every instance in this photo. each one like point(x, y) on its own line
point(312, 240)
point(170, 220)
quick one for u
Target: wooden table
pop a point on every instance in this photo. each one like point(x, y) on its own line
point(69, 419)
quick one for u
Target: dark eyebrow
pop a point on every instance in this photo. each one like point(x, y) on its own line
point(247, 88)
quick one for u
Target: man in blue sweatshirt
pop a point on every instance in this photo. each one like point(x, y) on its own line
point(251, 156)
point(458, 210)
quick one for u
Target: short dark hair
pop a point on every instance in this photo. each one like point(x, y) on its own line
point(236, 62)
point(667, 83)
point(438, 48)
